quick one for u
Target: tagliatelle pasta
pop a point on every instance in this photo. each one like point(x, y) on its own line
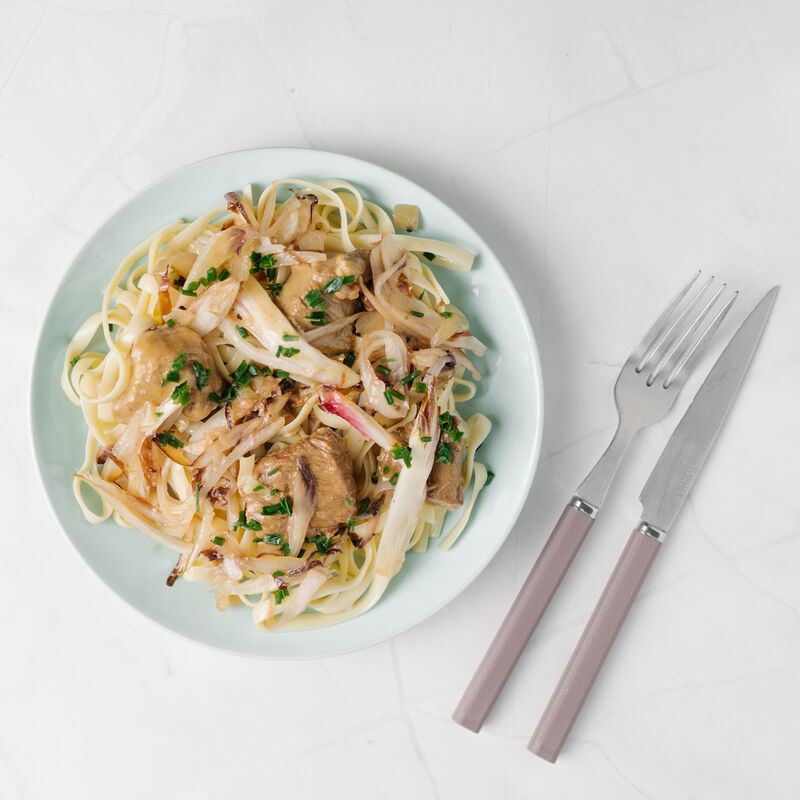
point(271, 391)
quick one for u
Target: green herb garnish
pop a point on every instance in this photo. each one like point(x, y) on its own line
point(333, 285)
point(444, 455)
point(287, 352)
point(289, 337)
point(165, 437)
point(242, 331)
point(218, 541)
point(314, 299)
point(283, 507)
point(402, 453)
point(420, 387)
point(393, 479)
point(410, 377)
point(201, 374)
point(363, 506)
point(170, 323)
point(416, 313)
point(173, 376)
point(489, 477)
point(381, 370)
point(182, 393)
point(349, 358)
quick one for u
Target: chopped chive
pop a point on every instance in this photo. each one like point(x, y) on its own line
point(197, 499)
point(182, 393)
point(394, 478)
point(349, 501)
point(278, 572)
point(280, 373)
point(373, 478)
point(363, 506)
point(242, 331)
point(444, 454)
point(351, 524)
point(272, 471)
point(446, 314)
point(170, 323)
point(334, 284)
point(218, 540)
point(424, 438)
point(385, 470)
point(429, 256)
point(420, 387)
point(275, 288)
point(489, 477)
point(165, 437)
point(383, 370)
point(201, 374)
point(349, 358)
point(74, 360)
point(223, 274)
point(282, 507)
point(259, 487)
point(410, 377)
point(402, 453)
point(388, 395)
point(290, 337)
point(287, 352)
point(416, 313)
point(314, 299)
point(398, 395)
point(421, 295)
point(285, 549)
point(273, 492)
point(173, 376)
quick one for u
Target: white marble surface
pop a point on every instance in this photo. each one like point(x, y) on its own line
point(605, 150)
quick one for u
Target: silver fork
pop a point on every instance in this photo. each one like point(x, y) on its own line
point(646, 388)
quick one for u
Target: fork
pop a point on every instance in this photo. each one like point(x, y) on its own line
point(646, 388)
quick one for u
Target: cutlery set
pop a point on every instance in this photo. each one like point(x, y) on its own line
point(646, 388)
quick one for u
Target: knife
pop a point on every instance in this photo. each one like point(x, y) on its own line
point(662, 497)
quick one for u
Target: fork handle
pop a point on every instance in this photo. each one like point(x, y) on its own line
point(594, 645)
point(523, 617)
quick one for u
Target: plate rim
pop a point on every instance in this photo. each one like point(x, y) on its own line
point(531, 464)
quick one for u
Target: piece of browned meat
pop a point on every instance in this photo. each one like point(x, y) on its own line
point(307, 277)
point(153, 355)
point(444, 482)
point(332, 467)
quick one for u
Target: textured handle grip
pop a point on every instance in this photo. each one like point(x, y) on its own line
point(522, 618)
point(594, 645)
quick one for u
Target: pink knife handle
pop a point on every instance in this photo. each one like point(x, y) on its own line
point(594, 645)
point(522, 618)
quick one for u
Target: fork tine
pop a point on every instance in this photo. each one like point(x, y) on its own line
point(658, 326)
point(680, 372)
point(674, 345)
point(666, 338)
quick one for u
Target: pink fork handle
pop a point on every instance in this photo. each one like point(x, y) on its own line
point(522, 618)
point(594, 645)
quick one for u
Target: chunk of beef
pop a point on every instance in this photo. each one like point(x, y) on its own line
point(307, 277)
point(444, 482)
point(153, 355)
point(330, 463)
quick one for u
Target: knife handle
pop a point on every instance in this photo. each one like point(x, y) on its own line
point(523, 617)
point(594, 645)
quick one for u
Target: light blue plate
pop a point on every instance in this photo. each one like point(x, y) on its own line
point(510, 394)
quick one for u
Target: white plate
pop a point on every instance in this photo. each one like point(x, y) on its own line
point(510, 394)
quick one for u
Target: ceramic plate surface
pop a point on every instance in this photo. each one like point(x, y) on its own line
point(510, 393)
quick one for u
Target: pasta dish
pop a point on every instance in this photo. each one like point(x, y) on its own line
point(272, 390)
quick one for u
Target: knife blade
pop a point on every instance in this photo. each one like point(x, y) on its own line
point(678, 466)
point(662, 497)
